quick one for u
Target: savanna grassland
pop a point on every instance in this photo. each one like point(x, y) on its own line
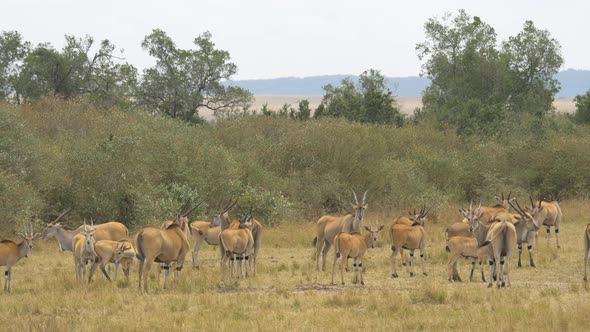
point(117, 164)
point(288, 294)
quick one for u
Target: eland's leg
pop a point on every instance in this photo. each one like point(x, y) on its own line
point(104, 271)
point(195, 254)
point(325, 253)
point(146, 273)
point(7, 280)
point(354, 269)
point(530, 250)
point(520, 254)
point(423, 261)
point(92, 269)
point(319, 250)
point(472, 269)
point(492, 266)
point(392, 259)
point(411, 262)
point(548, 234)
point(342, 266)
point(334, 267)
point(166, 268)
point(557, 236)
point(141, 262)
point(116, 270)
point(360, 266)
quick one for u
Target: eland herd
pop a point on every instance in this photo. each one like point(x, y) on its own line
point(484, 234)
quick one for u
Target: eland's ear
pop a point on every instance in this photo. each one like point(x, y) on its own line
point(37, 235)
point(380, 228)
point(353, 205)
point(366, 205)
point(367, 228)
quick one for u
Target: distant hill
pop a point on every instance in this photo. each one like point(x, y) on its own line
point(573, 82)
point(312, 86)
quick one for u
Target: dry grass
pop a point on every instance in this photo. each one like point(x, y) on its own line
point(288, 294)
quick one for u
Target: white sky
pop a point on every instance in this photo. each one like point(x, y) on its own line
point(274, 38)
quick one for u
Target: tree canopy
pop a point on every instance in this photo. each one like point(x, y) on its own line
point(473, 77)
point(369, 101)
point(184, 81)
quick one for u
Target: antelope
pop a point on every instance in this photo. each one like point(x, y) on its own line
point(83, 250)
point(526, 226)
point(183, 218)
point(108, 251)
point(11, 253)
point(586, 249)
point(206, 231)
point(462, 228)
point(162, 246)
point(113, 230)
point(501, 237)
point(329, 226)
point(237, 243)
point(413, 218)
point(353, 245)
point(462, 246)
point(549, 215)
point(409, 237)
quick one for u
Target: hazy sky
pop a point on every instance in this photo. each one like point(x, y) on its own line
point(268, 39)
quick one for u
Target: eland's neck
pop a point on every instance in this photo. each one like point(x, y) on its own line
point(23, 249)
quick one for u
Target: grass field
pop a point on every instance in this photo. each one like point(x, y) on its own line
point(288, 294)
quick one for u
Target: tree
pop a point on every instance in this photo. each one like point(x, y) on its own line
point(12, 53)
point(582, 114)
point(534, 57)
point(184, 81)
point(369, 102)
point(75, 71)
point(303, 112)
point(461, 59)
point(471, 75)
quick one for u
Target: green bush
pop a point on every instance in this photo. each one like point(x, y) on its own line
point(110, 164)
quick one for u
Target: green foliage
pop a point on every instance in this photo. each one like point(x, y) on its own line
point(12, 52)
point(129, 166)
point(582, 114)
point(303, 112)
point(74, 72)
point(369, 102)
point(472, 77)
point(534, 57)
point(185, 81)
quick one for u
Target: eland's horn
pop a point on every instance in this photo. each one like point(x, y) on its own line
point(515, 208)
point(502, 195)
point(192, 209)
point(365, 197)
point(532, 202)
point(356, 200)
point(61, 215)
point(182, 208)
point(509, 193)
